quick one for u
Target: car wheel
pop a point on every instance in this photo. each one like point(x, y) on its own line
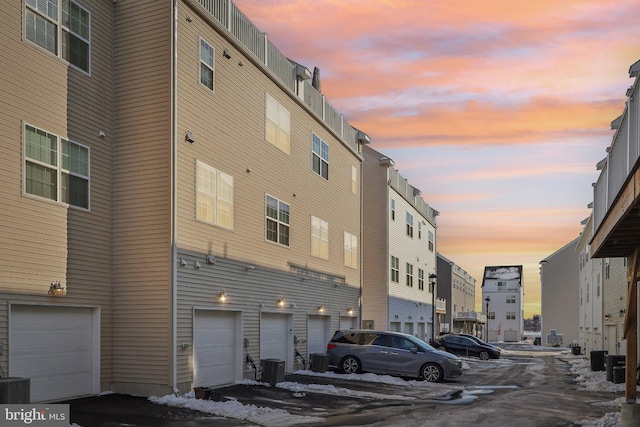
point(350, 365)
point(432, 372)
point(484, 355)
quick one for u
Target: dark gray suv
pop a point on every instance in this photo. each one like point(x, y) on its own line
point(392, 353)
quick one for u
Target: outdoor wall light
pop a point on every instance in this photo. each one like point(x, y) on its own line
point(56, 289)
point(281, 301)
point(222, 296)
point(607, 316)
point(622, 312)
point(321, 308)
point(350, 311)
point(197, 264)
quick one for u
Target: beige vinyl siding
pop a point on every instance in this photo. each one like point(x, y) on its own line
point(375, 241)
point(42, 241)
point(142, 197)
point(228, 128)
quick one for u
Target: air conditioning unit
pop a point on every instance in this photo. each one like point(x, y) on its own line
point(272, 370)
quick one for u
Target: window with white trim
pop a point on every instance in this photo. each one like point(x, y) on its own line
point(419, 230)
point(431, 241)
point(350, 250)
point(409, 225)
point(214, 196)
point(511, 315)
point(277, 217)
point(395, 269)
point(207, 55)
point(55, 168)
point(393, 210)
point(410, 275)
point(319, 238)
point(511, 299)
point(320, 156)
point(277, 124)
point(62, 27)
point(421, 279)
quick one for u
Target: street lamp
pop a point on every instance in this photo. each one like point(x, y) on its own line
point(432, 288)
point(487, 299)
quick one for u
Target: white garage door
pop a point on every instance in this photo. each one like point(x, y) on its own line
point(215, 347)
point(275, 337)
point(318, 333)
point(57, 348)
point(347, 322)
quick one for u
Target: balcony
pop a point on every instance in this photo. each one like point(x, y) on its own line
point(469, 316)
point(616, 194)
point(441, 305)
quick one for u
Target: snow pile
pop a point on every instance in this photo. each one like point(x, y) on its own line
point(233, 409)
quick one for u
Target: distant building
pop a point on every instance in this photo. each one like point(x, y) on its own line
point(398, 250)
point(458, 289)
point(560, 305)
point(503, 294)
point(590, 292)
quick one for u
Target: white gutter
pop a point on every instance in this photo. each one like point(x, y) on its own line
point(174, 175)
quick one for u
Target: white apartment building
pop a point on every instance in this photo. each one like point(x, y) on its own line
point(503, 294)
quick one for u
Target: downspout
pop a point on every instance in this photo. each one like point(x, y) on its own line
point(174, 180)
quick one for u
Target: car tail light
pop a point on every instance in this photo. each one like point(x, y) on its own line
point(331, 346)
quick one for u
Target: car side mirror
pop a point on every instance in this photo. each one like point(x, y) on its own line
point(414, 350)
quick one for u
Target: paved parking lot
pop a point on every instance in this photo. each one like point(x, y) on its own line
point(533, 388)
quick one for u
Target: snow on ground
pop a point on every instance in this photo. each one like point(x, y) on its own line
point(587, 379)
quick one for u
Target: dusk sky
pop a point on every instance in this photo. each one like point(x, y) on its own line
point(497, 110)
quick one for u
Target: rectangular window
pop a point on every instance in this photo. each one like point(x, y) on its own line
point(421, 279)
point(320, 156)
point(511, 315)
point(277, 124)
point(410, 275)
point(393, 210)
point(395, 269)
point(431, 241)
point(207, 55)
point(319, 238)
point(214, 196)
point(61, 27)
point(492, 315)
point(354, 180)
point(419, 230)
point(277, 220)
point(55, 168)
point(409, 225)
point(350, 250)
point(511, 299)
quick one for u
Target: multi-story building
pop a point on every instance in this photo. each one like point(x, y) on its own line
point(616, 225)
point(458, 289)
point(560, 286)
point(179, 200)
point(614, 288)
point(590, 292)
point(503, 294)
point(399, 252)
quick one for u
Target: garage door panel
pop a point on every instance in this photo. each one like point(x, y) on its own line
point(215, 347)
point(273, 336)
point(54, 347)
point(317, 334)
